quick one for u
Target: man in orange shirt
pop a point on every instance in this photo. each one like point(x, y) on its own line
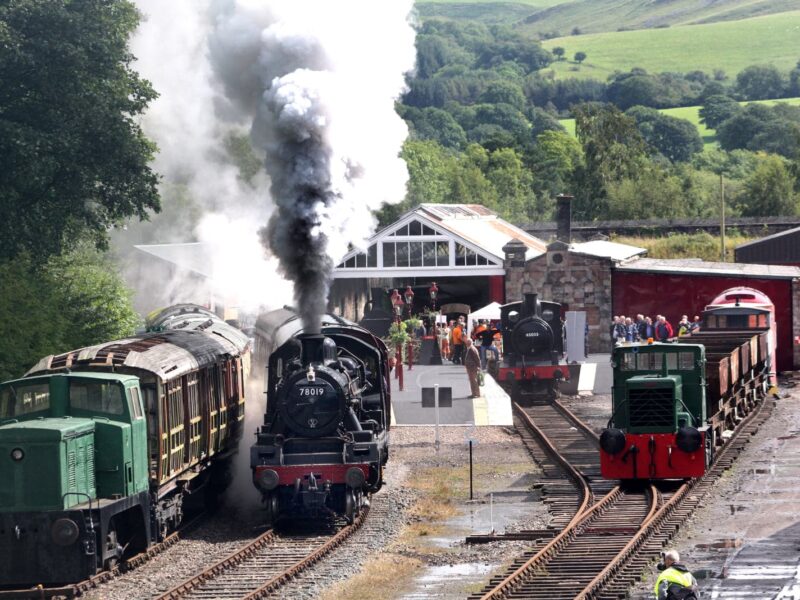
point(458, 343)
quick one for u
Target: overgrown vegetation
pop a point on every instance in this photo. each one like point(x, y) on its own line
point(688, 245)
point(71, 301)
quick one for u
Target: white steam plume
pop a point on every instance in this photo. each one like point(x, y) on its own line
point(320, 80)
point(190, 121)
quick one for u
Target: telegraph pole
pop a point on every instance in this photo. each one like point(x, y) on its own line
point(722, 215)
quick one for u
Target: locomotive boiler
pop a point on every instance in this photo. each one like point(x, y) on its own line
point(673, 402)
point(324, 441)
point(533, 348)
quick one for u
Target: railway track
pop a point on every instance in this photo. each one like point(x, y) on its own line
point(262, 567)
point(603, 550)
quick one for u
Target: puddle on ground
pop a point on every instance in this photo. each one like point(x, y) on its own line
point(454, 581)
point(448, 581)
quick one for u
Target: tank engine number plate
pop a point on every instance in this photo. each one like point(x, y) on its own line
point(310, 392)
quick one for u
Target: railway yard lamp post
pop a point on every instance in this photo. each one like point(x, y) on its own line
point(397, 304)
point(409, 294)
point(433, 291)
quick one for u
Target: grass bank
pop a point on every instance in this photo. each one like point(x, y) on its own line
point(695, 245)
point(729, 45)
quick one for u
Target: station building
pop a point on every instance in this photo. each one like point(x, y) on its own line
point(475, 258)
point(457, 246)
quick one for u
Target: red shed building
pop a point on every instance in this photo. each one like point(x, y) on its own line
point(677, 287)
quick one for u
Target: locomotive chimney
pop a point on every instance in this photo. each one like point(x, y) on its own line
point(529, 304)
point(564, 218)
point(312, 344)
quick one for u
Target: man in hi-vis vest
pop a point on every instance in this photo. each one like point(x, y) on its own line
point(675, 581)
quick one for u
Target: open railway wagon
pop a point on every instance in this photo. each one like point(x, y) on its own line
point(533, 362)
point(325, 438)
point(102, 448)
point(674, 403)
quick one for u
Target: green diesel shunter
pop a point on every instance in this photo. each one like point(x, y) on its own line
point(101, 448)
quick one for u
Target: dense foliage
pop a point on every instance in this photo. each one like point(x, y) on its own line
point(71, 301)
point(483, 113)
point(75, 160)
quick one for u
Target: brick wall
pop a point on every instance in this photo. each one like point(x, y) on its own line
point(579, 281)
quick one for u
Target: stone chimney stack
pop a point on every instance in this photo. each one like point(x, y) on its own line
point(564, 218)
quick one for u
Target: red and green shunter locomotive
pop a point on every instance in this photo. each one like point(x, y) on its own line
point(102, 448)
point(674, 404)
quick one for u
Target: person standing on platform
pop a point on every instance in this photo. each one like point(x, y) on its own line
point(472, 361)
point(458, 343)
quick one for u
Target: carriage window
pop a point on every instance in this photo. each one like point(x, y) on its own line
point(672, 361)
point(19, 400)
point(96, 396)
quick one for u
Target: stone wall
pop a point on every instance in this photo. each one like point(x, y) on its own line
point(578, 281)
point(796, 322)
point(349, 297)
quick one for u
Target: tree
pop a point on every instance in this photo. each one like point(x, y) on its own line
point(504, 92)
point(580, 57)
point(558, 52)
point(717, 109)
point(770, 189)
point(436, 124)
point(70, 302)
point(760, 82)
point(555, 157)
point(429, 170)
point(613, 150)
point(75, 160)
point(676, 139)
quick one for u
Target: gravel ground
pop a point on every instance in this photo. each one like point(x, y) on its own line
point(392, 516)
point(219, 536)
point(435, 545)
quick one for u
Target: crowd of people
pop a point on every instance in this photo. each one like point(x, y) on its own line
point(643, 329)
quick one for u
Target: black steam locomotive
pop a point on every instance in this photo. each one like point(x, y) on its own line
point(533, 349)
point(324, 441)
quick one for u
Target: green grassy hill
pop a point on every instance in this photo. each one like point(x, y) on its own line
point(730, 46)
point(592, 16)
point(692, 114)
point(483, 11)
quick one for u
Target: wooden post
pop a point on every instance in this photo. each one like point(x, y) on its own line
point(722, 215)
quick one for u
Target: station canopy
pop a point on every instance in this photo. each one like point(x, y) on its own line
point(438, 240)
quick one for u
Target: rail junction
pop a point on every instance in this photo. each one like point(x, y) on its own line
point(605, 546)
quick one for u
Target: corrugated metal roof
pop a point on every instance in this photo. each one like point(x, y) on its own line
point(167, 354)
point(701, 267)
point(606, 249)
point(482, 227)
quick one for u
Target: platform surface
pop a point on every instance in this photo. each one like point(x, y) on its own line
point(493, 407)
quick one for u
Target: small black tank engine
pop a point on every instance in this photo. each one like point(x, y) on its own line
point(533, 347)
point(324, 441)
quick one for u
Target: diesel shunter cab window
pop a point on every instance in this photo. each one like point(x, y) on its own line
point(19, 400)
point(96, 396)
